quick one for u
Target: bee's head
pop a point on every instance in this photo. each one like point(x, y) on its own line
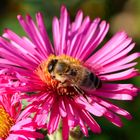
point(57, 66)
point(61, 68)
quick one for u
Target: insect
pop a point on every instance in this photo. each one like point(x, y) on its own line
point(73, 74)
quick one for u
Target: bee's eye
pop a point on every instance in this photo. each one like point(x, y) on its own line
point(51, 65)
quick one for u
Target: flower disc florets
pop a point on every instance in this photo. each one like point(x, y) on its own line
point(6, 122)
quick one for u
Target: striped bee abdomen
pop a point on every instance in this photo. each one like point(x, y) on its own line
point(91, 81)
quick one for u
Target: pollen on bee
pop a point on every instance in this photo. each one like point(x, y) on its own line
point(51, 83)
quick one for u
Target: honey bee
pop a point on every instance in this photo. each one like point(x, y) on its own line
point(72, 74)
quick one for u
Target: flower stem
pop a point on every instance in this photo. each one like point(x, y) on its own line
point(75, 134)
point(56, 136)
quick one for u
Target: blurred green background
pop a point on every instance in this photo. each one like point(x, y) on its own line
point(121, 14)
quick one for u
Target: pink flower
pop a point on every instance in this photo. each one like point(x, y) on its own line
point(9, 82)
point(15, 125)
point(77, 43)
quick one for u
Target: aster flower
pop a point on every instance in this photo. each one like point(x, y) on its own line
point(76, 42)
point(13, 125)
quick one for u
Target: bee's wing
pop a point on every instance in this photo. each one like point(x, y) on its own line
point(92, 68)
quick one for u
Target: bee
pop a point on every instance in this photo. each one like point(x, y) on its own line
point(72, 74)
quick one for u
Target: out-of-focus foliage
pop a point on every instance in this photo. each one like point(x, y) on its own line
point(122, 15)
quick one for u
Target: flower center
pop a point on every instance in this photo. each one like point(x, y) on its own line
point(52, 84)
point(6, 122)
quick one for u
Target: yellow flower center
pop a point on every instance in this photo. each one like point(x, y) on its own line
point(6, 122)
point(51, 83)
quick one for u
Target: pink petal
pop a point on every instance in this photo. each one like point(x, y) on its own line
point(28, 134)
point(20, 123)
point(113, 118)
point(120, 88)
point(26, 112)
point(6, 62)
point(120, 75)
point(16, 136)
point(113, 107)
point(42, 114)
point(12, 54)
point(73, 49)
point(62, 108)
point(95, 41)
point(123, 61)
point(115, 52)
point(89, 34)
point(93, 108)
point(65, 128)
point(77, 38)
point(90, 121)
point(42, 29)
point(32, 48)
point(114, 41)
point(56, 35)
point(37, 37)
point(54, 119)
point(21, 44)
point(30, 29)
point(83, 127)
point(78, 118)
point(115, 96)
point(72, 120)
point(119, 55)
point(78, 21)
point(110, 69)
point(64, 23)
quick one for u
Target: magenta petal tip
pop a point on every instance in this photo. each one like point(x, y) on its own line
point(39, 14)
point(19, 17)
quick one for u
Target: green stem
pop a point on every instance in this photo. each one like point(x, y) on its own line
point(75, 134)
point(56, 136)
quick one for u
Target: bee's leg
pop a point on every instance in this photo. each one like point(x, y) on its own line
point(65, 84)
point(79, 90)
